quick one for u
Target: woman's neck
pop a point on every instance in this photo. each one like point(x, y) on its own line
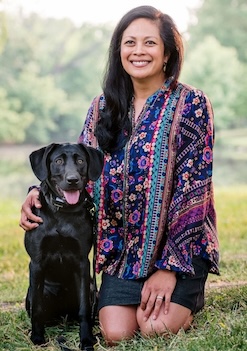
point(142, 89)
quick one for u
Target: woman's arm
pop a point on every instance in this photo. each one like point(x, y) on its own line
point(191, 225)
point(28, 219)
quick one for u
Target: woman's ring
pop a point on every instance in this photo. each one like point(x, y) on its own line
point(159, 297)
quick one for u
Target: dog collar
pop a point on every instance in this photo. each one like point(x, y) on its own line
point(61, 205)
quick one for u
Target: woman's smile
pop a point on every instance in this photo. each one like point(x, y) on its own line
point(140, 63)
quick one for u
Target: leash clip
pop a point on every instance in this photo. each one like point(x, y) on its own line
point(92, 210)
point(58, 202)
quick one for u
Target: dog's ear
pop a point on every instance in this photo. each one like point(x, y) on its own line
point(38, 162)
point(96, 162)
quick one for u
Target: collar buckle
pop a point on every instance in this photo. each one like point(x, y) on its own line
point(58, 202)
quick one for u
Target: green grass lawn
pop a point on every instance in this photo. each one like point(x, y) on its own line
point(222, 325)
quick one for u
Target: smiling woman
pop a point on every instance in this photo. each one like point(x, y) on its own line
point(156, 222)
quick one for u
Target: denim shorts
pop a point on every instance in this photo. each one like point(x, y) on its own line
point(188, 292)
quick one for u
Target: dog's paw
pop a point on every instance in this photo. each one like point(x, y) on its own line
point(87, 348)
point(61, 342)
point(38, 339)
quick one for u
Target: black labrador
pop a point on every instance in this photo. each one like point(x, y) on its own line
point(59, 266)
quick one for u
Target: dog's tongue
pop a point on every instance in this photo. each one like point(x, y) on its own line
point(72, 197)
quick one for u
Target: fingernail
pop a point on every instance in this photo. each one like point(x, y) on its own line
point(154, 317)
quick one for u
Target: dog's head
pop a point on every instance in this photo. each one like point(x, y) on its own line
point(67, 167)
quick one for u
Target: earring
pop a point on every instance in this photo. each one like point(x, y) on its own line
point(164, 66)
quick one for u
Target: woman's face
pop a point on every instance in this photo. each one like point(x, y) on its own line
point(142, 51)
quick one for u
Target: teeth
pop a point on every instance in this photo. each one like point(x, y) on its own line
point(139, 63)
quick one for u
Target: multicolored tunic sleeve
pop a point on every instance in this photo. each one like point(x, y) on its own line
point(155, 196)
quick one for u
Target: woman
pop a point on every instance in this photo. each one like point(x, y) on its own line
point(156, 221)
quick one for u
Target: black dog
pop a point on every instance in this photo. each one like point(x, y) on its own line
point(59, 247)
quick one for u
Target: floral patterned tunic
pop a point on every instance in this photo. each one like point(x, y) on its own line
point(155, 195)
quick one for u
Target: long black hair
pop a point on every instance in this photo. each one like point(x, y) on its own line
point(114, 127)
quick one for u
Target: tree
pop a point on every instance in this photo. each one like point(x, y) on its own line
point(225, 20)
point(13, 124)
point(53, 69)
point(216, 58)
point(216, 70)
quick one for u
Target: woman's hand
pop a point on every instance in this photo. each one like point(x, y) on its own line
point(158, 288)
point(32, 200)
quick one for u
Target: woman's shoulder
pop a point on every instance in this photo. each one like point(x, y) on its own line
point(195, 106)
point(191, 91)
point(99, 100)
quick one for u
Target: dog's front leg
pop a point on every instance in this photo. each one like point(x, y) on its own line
point(36, 304)
point(87, 339)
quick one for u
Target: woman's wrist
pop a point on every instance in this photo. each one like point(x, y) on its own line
point(33, 187)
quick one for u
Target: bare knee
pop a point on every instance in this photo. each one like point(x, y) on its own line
point(117, 323)
point(166, 324)
point(163, 327)
point(115, 333)
point(112, 337)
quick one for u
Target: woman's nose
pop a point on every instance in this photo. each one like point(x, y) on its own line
point(139, 49)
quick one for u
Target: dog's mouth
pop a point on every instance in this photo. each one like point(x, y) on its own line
point(71, 196)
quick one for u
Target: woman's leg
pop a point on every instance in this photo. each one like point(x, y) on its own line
point(118, 323)
point(122, 322)
point(178, 317)
point(187, 299)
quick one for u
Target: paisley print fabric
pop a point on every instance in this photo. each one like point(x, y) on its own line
point(155, 195)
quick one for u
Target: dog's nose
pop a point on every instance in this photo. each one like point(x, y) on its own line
point(72, 180)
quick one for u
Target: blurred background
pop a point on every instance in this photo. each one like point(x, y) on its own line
point(52, 59)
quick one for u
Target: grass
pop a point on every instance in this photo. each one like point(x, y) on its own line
point(231, 206)
point(221, 326)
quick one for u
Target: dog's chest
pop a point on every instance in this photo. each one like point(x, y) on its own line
point(61, 250)
point(59, 242)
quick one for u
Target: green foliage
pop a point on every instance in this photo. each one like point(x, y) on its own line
point(217, 71)
point(216, 59)
point(45, 102)
point(226, 21)
point(3, 33)
point(13, 123)
point(52, 71)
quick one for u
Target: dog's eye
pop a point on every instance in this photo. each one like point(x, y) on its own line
point(59, 161)
point(80, 161)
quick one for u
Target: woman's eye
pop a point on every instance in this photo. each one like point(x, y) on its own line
point(150, 43)
point(130, 42)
